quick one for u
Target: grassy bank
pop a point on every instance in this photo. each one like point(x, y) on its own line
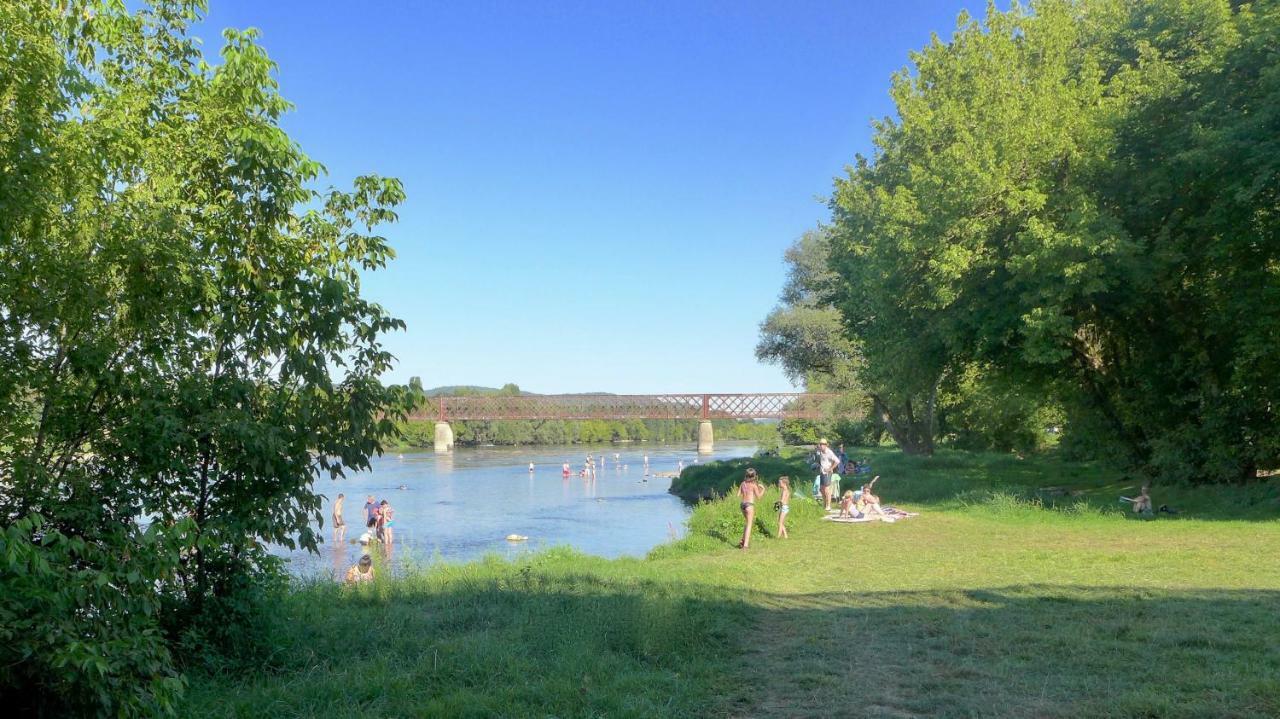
point(1008, 596)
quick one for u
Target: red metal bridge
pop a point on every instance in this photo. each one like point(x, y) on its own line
point(773, 405)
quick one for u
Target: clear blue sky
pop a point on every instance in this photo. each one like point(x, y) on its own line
point(599, 193)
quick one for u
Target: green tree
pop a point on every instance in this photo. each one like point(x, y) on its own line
point(183, 343)
point(1082, 198)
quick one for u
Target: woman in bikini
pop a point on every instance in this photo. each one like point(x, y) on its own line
point(749, 491)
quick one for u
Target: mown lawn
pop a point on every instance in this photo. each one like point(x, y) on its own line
point(1008, 596)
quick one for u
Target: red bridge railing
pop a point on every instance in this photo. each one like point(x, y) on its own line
point(772, 405)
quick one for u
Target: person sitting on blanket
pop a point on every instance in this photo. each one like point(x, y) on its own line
point(1142, 502)
point(846, 505)
point(869, 503)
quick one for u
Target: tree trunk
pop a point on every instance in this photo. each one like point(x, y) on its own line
point(913, 437)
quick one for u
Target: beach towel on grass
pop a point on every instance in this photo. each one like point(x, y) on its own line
point(833, 515)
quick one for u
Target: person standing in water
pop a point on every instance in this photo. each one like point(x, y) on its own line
point(385, 520)
point(564, 470)
point(370, 512)
point(531, 468)
point(749, 492)
point(339, 524)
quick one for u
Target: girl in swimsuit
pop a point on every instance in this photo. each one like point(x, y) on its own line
point(385, 520)
point(784, 505)
point(749, 491)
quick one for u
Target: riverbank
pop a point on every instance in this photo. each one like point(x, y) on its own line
point(987, 604)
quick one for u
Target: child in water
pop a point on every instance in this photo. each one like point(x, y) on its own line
point(385, 521)
point(784, 505)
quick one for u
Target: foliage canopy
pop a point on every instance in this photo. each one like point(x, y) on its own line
point(1082, 198)
point(183, 344)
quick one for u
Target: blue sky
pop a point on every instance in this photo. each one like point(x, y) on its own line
point(599, 193)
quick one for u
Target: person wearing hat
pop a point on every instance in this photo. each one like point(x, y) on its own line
point(361, 572)
point(827, 464)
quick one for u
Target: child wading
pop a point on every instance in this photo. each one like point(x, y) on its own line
point(749, 491)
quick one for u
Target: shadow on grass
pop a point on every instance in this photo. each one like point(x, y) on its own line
point(1021, 651)
point(494, 641)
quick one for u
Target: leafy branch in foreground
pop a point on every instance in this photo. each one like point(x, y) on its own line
point(183, 344)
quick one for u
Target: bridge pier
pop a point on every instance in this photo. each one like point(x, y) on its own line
point(444, 437)
point(706, 437)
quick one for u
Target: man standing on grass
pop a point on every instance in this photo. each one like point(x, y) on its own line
point(827, 464)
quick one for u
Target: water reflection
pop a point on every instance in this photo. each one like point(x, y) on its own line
point(462, 505)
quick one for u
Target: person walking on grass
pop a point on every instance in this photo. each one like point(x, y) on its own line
point(749, 491)
point(827, 463)
point(784, 505)
point(339, 524)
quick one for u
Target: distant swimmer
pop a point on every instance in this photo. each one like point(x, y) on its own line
point(617, 457)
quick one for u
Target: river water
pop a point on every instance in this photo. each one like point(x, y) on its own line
point(462, 505)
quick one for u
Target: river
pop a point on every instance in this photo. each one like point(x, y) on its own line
point(462, 505)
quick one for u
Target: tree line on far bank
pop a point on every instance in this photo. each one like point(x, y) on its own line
point(421, 432)
point(1073, 222)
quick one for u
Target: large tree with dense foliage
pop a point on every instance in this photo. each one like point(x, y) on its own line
point(1085, 196)
point(183, 344)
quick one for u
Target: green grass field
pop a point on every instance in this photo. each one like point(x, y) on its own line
point(1021, 590)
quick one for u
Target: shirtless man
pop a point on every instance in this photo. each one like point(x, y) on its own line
point(749, 491)
point(1142, 502)
point(339, 524)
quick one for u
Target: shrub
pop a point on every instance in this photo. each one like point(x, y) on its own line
point(79, 633)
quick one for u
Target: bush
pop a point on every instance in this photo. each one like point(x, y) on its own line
point(715, 479)
point(79, 633)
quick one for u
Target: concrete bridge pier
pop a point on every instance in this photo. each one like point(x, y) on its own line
point(706, 438)
point(444, 437)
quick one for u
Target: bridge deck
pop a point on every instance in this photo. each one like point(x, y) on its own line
point(772, 405)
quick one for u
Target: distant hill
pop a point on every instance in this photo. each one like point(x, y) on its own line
point(454, 389)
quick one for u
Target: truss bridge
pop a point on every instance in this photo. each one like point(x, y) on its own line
point(701, 407)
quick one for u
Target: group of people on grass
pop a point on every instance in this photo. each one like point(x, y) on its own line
point(864, 501)
point(379, 526)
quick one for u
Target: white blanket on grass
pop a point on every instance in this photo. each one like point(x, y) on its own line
point(891, 513)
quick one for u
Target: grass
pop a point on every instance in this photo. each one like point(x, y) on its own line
point(1022, 590)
